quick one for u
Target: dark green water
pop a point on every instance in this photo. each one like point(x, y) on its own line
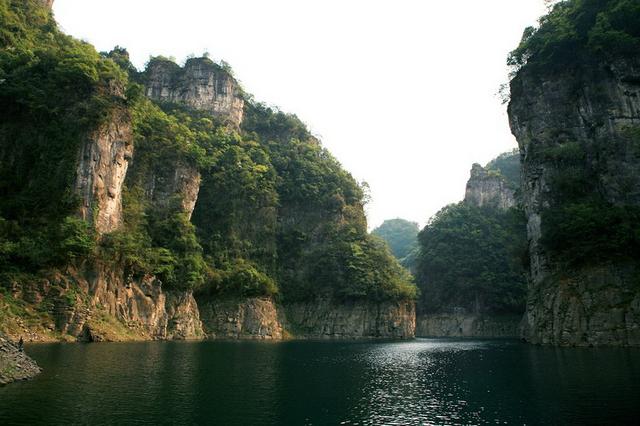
point(426, 381)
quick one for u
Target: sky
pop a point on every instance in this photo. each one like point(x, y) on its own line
point(404, 93)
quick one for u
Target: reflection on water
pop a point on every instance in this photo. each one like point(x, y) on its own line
point(426, 381)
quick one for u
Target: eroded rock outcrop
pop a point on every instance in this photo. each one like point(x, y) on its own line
point(581, 119)
point(252, 318)
point(200, 84)
point(98, 303)
point(101, 170)
point(487, 188)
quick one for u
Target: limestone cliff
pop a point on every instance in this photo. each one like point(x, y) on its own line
point(101, 169)
point(486, 188)
point(252, 318)
point(200, 84)
point(572, 123)
point(263, 319)
point(324, 319)
point(98, 303)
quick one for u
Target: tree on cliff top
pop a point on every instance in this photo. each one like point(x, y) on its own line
point(579, 31)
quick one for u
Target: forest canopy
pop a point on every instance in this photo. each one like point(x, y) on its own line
point(579, 31)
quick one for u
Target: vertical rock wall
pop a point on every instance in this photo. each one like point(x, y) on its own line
point(488, 189)
point(592, 107)
point(102, 167)
point(201, 84)
point(255, 318)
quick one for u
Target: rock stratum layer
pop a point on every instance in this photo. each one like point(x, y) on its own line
point(589, 110)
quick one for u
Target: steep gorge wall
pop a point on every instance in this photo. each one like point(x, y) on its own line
point(325, 319)
point(101, 169)
point(257, 318)
point(593, 108)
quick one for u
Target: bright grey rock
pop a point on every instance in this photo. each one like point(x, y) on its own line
point(488, 189)
point(201, 84)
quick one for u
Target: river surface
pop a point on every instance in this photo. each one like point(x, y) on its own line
point(424, 381)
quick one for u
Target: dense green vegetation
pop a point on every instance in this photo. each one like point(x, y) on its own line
point(46, 78)
point(323, 248)
point(402, 237)
point(471, 258)
point(580, 31)
point(581, 226)
point(276, 213)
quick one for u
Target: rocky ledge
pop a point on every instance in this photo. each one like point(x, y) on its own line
point(15, 364)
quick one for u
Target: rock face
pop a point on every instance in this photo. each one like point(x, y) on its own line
point(488, 189)
point(357, 320)
point(461, 325)
point(102, 167)
point(592, 108)
point(97, 303)
point(251, 318)
point(14, 364)
point(201, 84)
point(48, 3)
point(263, 319)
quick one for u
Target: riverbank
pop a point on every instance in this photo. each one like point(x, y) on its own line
point(14, 363)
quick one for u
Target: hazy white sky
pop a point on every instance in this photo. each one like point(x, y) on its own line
point(402, 92)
